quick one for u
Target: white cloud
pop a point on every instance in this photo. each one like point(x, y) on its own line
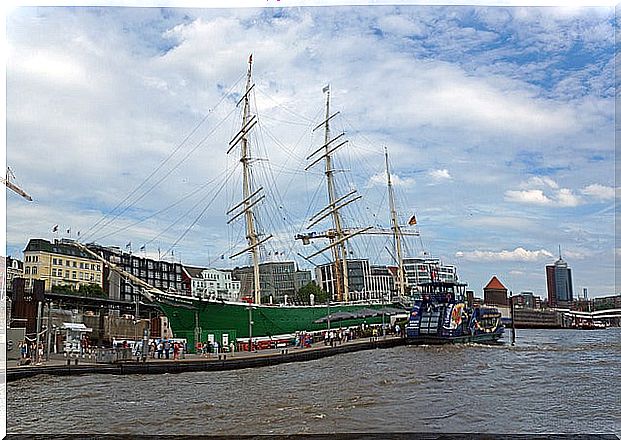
point(534, 195)
point(598, 191)
point(379, 179)
point(531, 196)
point(440, 175)
point(539, 182)
point(518, 254)
point(566, 198)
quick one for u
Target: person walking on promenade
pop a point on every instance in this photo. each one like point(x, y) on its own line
point(167, 348)
point(175, 351)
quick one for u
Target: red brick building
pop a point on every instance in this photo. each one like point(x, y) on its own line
point(495, 293)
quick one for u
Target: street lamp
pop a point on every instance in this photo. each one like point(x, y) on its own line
point(250, 327)
point(383, 323)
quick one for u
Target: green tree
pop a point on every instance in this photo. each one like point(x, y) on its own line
point(92, 290)
point(65, 288)
point(303, 295)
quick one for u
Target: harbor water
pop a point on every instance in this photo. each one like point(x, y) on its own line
point(551, 381)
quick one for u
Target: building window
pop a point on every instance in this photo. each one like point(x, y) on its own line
point(81, 265)
point(53, 272)
point(74, 275)
point(66, 274)
point(60, 261)
point(67, 263)
point(27, 270)
point(98, 267)
point(34, 270)
point(75, 264)
point(81, 275)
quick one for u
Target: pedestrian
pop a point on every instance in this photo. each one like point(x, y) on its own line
point(176, 351)
point(397, 330)
point(160, 349)
point(167, 348)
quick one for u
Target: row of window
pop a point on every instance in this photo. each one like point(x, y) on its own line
point(32, 258)
point(154, 275)
point(164, 267)
point(128, 287)
point(75, 275)
point(82, 265)
point(28, 270)
point(201, 284)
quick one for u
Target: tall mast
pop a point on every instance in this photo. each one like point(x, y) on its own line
point(249, 193)
point(337, 235)
point(339, 251)
point(251, 233)
point(395, 229)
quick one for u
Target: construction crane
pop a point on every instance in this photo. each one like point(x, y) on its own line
point(14, 187)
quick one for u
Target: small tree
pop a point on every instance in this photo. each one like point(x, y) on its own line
point(321, 296)
point(92, 290)
point(64, 288)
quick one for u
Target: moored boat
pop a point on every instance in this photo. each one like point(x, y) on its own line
point(441, 316)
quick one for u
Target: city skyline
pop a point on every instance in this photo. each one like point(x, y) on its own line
point(499, 123)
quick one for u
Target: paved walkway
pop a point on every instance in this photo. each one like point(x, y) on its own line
point(59, 360)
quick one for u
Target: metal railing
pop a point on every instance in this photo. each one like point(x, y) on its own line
point(113, 355)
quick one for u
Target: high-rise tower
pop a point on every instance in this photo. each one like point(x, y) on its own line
point(560, 287)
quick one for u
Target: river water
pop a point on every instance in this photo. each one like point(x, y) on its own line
point(552, 381)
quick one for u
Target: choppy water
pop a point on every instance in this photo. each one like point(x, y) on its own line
point(551, 381)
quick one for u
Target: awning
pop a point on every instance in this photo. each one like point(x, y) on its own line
point(76, 327)
point(392, 311)
point(360, 314)
point(337, 316)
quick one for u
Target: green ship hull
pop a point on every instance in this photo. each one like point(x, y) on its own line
point(194, 319)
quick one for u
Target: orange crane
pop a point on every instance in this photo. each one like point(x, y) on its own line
point(14, 187)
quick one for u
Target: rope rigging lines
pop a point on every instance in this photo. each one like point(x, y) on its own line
point(131, 201)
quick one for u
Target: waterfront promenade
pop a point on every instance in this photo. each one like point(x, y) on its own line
point(57, 365)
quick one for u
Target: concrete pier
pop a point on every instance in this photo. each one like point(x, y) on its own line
point(224, 361)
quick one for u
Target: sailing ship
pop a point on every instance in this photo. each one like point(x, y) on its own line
point(194, 318)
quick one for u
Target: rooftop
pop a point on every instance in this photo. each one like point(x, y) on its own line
point(495, 284)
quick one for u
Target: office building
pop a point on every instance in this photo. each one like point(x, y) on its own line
point(559, 283)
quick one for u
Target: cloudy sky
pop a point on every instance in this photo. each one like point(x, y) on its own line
point(499, 123)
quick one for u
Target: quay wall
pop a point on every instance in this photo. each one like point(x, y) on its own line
point(229, 363)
